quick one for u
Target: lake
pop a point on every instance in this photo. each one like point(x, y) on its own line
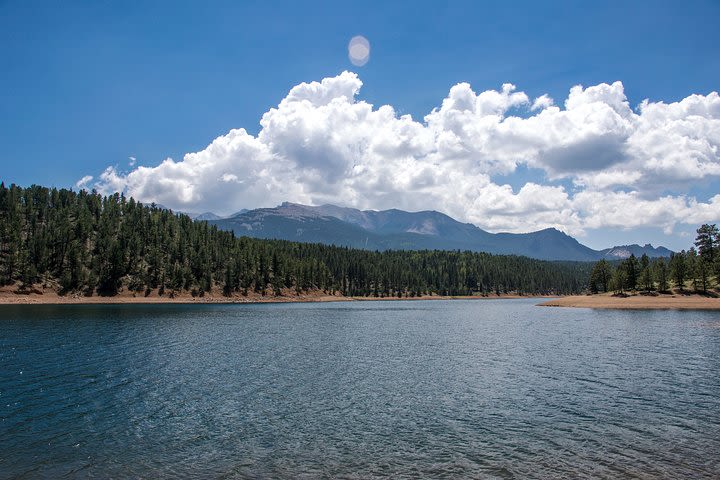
point(442, 389)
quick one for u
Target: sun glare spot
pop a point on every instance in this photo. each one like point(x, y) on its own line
point(359, 50)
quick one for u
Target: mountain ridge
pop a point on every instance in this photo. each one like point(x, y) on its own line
point(396, 229)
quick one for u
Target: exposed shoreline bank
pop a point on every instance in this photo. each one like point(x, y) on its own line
point(9, 296)
point(676, 301)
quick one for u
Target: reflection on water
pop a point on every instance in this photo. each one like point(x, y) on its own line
point(493, 388)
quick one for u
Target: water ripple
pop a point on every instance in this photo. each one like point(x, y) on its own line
point(457, 389)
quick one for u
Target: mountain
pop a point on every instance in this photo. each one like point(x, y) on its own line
point(400, 230)
point(242, 210)
point(205, 216)
point(193, 215)
point(624, 251)
point(202, 216)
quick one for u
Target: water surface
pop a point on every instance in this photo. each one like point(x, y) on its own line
point(489, 389)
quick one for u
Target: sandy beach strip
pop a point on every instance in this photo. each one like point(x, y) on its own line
point(638, 302)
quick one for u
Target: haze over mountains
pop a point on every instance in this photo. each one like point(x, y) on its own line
point(401, 230)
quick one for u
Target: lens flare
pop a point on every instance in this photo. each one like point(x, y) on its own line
point(359, 50)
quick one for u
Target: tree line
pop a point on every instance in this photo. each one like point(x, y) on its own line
point(83, 242)
point(696, 269)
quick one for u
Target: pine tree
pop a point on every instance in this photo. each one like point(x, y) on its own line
point(707, 242)
point(228, 286)
point(645, 274)
point(631, 266)
point(661, 275)
point(619, 279)
point(601, 276)
point(693, 270)
point(702, 273)
point(678, 269)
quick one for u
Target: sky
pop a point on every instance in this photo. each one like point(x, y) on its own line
point(601, 120)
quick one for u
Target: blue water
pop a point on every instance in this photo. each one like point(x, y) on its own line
point(442, 389)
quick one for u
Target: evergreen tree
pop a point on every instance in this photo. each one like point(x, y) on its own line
point(678, 269)
point(702, 273)
point(646, 280)
point(601, 276)
point(619, 279)
point(645, 274)
point(228, 286)
point(692, 260)
point(632, 272)
point(661, 274)
point(707, 242)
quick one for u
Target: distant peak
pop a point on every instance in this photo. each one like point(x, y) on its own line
point(552, 230)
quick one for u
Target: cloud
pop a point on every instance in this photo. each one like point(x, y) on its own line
point(628, 210)
point(132, 161)
point(321, 144)
point(543, 101)
point(84, 181)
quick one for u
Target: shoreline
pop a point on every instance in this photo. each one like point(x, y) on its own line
point(8, 296)
point(674, 301)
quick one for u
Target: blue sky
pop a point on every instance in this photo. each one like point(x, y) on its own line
point(85, 85)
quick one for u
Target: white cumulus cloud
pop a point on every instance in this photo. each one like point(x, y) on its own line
point(543, 101)
point(629, 167)
point(84, 181)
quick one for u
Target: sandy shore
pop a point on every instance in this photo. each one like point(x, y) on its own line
point(638, 302)
point(10, 295)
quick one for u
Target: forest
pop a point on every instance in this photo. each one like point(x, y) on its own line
point(83, 242)
point(695, 270)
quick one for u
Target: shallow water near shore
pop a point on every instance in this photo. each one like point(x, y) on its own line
point(496, 389)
